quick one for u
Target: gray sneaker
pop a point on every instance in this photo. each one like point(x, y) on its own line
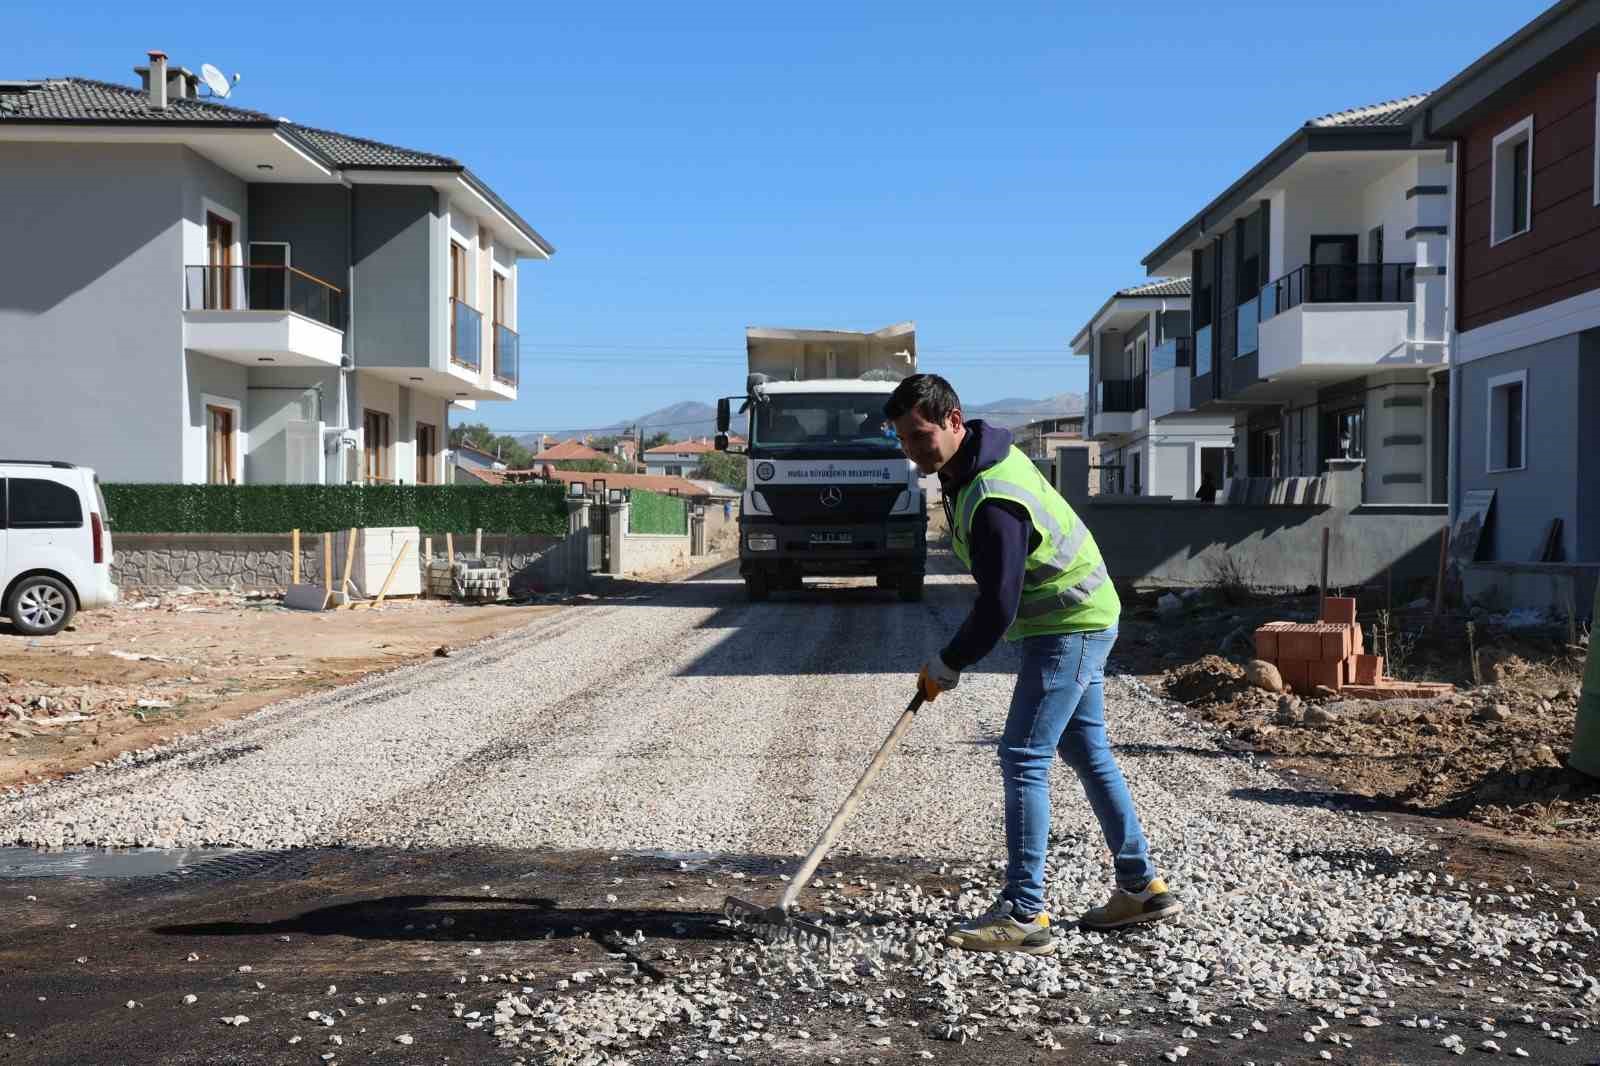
point(998, 929)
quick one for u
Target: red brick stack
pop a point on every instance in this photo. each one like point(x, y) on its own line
point(1330, 654)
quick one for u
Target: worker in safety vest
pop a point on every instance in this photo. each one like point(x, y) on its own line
point(1041, 582)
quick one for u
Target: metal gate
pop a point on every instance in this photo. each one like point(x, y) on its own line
point(599, 538)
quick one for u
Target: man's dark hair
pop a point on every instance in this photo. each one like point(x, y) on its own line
point(929, 394)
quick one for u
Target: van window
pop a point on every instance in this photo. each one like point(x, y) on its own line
point(38, 504)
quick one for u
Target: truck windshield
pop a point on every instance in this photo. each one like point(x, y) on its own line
point(810, 422)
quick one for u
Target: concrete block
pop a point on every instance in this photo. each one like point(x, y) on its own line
point(1339, 610)
point(1369, 669)
point(1325, 672)
point(305, 597)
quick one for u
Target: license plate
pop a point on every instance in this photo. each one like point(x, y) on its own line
point(831, 538)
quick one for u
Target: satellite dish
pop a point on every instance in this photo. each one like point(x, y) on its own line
point(215, 80)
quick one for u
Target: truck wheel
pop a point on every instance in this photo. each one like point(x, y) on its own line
point(40, 606)
point(911, 588)
point(888, 581)
point(755, 587)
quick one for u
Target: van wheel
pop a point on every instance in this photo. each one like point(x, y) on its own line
point(755, 587)
point(40, 606)
point(911, 588)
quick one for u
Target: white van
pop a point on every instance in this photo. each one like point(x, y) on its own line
point(55, 546)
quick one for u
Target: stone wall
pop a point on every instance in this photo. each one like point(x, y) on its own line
point(644, 552)
point(263, 561)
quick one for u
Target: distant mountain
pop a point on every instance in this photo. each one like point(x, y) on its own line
point(691, 418)
point(686, 419)
point(1014, 411)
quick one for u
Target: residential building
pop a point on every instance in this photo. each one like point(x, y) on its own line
point(1040, 438)
point(212, 294)
point(680, 458)
point(570, 451)
point(1317, 310)
point(1524, 130)
point(1151, 442)
point(475, 462)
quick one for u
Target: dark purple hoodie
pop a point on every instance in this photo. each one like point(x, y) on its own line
point(1001, 538)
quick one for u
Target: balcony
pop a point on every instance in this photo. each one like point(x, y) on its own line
point(1118, 406)
point(1169, 391)
point(263, 315)
point(1340, 283)
point(466, 335)
point(1249, 323)
point(1329, 321)
point(507, 348)
point(1171, 354)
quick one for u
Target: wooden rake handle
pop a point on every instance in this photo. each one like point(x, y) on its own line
point(829, 835)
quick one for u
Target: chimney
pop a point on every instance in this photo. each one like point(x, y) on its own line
point(182, 84)
point(156, 80)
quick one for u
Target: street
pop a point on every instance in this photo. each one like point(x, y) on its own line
point(543, 827)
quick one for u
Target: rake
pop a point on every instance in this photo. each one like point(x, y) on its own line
point(775, 923)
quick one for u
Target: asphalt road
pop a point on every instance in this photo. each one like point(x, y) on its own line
point(581, 795)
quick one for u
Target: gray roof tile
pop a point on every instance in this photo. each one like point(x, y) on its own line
point(1159, 287)
point(85, 100)
point(1389, 113)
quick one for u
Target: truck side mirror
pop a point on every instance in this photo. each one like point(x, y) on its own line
point(722, 442)
point(724, 417)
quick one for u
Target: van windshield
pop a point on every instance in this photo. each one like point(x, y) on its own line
point(830, 423)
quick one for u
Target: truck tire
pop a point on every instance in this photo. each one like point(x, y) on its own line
point(888, 581)
point(911, 588)
point(756, 588)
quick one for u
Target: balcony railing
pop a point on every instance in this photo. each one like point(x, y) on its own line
point(1202, 351)
point(466, 335)
point(263, 288)
point(1122, 397)
point(506, 350)
point(1249, 314)
point(1171, 354)
point(1340, 283)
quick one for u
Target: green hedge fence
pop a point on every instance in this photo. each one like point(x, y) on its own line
point(531, 508)
point(656, 512)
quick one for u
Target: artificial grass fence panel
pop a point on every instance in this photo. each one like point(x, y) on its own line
point(164, 508)
point(656, 512)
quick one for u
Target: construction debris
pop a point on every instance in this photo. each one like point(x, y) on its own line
point(467, 581)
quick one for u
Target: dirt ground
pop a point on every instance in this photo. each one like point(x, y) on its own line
point(1492, 755)
point(170, 663)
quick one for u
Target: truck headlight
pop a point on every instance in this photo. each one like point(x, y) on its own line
point(905, 503)
point(901, 539)
point(762, 542)
point(758, 504)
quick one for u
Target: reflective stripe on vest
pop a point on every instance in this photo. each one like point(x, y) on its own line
point(1048, 605)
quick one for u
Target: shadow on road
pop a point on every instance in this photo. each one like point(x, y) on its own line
point(458, 918)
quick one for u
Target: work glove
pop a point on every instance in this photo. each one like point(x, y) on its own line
point(936, 677)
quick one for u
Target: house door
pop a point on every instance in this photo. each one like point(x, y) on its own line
point(376, 430)
point(219, 445)
point(219, 261)
point(267, 276)
point(1333, 269)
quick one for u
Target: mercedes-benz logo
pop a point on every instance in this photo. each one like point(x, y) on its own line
point(831, 496)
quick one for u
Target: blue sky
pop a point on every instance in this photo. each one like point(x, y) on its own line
point(991, 171)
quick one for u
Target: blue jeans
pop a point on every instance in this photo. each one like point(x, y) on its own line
point(1059, 705)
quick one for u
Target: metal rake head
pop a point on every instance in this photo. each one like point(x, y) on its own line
point(777, 926)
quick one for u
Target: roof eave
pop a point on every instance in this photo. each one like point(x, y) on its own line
point(1561, 26)
point(1301, 142)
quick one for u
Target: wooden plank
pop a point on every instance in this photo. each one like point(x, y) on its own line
point(349, 561)
point(327, 564)
point(294, 565)
point(450, 548)
point(477, 544)
point(427, 562)
point(1472, 522)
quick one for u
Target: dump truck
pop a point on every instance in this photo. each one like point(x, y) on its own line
point(828, 492)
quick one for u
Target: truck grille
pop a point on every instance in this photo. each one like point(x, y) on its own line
point(803, 503)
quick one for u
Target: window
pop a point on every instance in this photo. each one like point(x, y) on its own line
point(220, 449)
point(1508, 420)
point(1265, 453)
point(39, 504)
point(427, 438)
point(499, 299)
point(674, 470)
point(1511, 182)
point(458, 273)
point(376, 428)
point(1344, 434)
